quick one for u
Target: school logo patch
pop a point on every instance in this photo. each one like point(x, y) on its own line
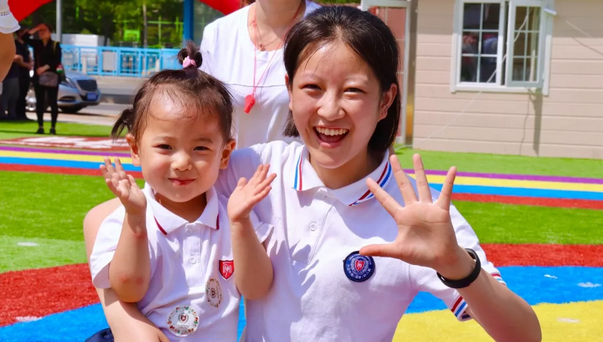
point(213, 292)
point(358, 267)
point(183, 321)
point(226, 268)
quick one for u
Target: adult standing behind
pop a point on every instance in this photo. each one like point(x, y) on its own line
point(244, 50)
point(25, 65)
point(8, 25)
point(47, 58)
point(13, 82)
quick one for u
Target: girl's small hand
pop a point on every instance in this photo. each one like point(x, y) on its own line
point(426, 236)
point(248, 193)
point(124, 187)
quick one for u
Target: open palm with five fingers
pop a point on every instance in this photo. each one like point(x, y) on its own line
point(426, 236)
point(248, 193)
point(124, 187)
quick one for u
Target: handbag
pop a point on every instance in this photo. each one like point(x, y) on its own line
point(49, 79)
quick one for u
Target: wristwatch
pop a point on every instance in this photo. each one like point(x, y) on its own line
point(462, 283)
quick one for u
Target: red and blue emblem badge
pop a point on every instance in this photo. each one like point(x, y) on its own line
point(358, 267)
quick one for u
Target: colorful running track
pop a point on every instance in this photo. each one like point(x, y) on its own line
point(564, 283)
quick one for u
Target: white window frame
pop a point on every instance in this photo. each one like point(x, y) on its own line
point(544, 48)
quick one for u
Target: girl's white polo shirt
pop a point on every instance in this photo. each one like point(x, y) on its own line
point(228, 55)
point(316, 230)
point(192, 294)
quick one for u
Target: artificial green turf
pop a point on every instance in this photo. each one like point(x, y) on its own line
point(47, 209)
point(507, 164)
point(47, 206)
point(507, 223)
point(47, 253)
point(18, 129)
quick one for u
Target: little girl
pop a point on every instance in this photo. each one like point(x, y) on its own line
point(168, 247)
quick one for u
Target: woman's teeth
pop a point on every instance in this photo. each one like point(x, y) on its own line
point(332, 132)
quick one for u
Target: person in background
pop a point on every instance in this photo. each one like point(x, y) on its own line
point(47, 59)
point(8, 25)
point(9, 105)
point(24, 68)
point(250, 42)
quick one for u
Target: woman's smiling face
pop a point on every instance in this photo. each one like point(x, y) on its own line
point(337, 101)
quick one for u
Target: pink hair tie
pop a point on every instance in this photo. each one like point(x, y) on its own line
point(187, 61)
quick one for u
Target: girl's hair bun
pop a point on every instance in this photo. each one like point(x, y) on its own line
point(192, 52)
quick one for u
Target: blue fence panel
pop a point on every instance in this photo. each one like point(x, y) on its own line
point(118, 61)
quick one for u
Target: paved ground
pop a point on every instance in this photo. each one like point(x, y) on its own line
point(119, 90)
point(103, 114)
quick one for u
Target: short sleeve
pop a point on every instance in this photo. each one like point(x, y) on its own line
point(104, 248)
point(426, 279)
point(262, 230)
point(242, 163)
point(207, 48)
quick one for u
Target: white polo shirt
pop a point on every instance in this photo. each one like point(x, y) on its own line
point(228, 52)
point(192, 294)
point(322, 292)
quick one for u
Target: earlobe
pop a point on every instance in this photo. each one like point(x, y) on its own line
point(387, 100)
point(133, 149)
point(227, 152)
point(289, 91)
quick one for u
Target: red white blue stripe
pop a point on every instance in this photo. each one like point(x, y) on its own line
point(460, 306)
point(383, 179)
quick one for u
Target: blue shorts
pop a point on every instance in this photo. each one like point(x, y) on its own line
point(101, 336)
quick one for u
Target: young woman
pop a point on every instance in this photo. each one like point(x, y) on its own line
point(47, 58)
point(354, 239)
point(245, 51)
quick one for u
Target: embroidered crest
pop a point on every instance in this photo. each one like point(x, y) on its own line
point(226, 268)
point(213, 292)
point(183, 321)
point(358, 267)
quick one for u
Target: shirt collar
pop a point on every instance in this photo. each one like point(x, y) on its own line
point(305, 178)
point(168, 222)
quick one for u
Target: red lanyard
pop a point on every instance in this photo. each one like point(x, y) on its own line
point(250, 99)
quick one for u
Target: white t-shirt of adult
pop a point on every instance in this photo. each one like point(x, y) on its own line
point(315, 230)
point(228, 52)
point(192, 294)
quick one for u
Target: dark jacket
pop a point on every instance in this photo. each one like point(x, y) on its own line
point(23, 50)
point(49, 54)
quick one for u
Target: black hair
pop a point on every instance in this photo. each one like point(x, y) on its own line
point(365, 34)
point(192, 88)
point(48, 26)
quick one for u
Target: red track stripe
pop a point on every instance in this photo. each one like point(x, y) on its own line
point(42, 292)
point(544, 255)
point(58, 170)
point(537, 201)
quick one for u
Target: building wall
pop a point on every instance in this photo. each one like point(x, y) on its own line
point(567, 123)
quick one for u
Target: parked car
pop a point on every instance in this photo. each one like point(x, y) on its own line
point(76, 92)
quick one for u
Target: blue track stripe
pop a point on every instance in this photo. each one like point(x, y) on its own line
point(60, 163)
point(523, 192)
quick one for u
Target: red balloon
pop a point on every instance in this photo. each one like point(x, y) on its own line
point(224, 6)
point(22, 8)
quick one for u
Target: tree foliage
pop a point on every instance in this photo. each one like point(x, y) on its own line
point(114, 18)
